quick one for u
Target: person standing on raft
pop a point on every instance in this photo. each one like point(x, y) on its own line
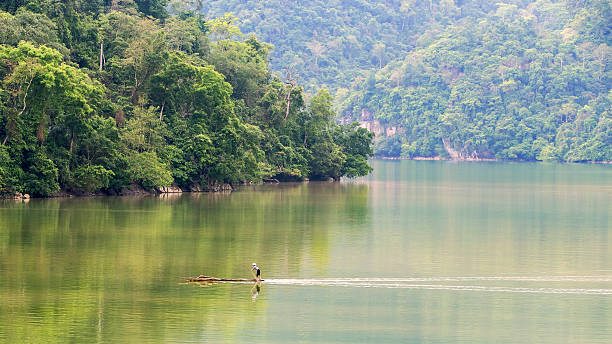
point(257, 272)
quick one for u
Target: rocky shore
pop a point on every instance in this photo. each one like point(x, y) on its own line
point(133, 190)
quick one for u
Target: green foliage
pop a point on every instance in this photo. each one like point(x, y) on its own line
point(473, 91)
point(335, 150)
point(392, 146)
point(329, 160)
point(357, 145)
point(28, 26)
point(332, 43)
point(40, 178)
point(97, 96)
point(5, 161)
point(146, 169)
point(187, 35)
point(356, 166)
point(154, 8)
point(469, 79)
point(11, 174)
point(243, 65)
point(90, 178)
point(47, 104)
point(223, 28)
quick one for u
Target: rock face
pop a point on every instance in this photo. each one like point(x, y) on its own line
point(368, 121)
point(220, 187)
point(16, 196)
point(168, 189)
point(211, 188)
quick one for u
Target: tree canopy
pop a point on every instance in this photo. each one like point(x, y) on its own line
point(106, 95)
point(525, 80)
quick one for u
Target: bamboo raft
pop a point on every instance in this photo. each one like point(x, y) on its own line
point(211, 279)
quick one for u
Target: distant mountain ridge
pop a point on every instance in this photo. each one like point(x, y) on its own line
point(525, 80)
point(330, 43)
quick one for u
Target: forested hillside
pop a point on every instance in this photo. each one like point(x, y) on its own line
point(523, 79)
point(106, 96)
point(329, 43)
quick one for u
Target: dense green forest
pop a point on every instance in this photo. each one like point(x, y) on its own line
point(518, 79)
point(104, 96)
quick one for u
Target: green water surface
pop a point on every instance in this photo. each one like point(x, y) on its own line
point(418, 252)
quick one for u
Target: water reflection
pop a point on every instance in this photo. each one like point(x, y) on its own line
point(418, 252)
point(255, 291)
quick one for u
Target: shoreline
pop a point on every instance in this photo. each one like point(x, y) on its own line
point(227, 188)
point(137, 190)
point(439, 158)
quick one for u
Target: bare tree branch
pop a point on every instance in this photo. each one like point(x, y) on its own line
point(292, 81)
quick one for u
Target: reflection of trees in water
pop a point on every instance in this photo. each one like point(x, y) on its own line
point(281, 225)
point(107, 263)
point(77, 267)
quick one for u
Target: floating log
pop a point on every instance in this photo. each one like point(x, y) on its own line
point(211, 279)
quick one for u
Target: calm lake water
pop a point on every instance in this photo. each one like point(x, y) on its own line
point(420, 251)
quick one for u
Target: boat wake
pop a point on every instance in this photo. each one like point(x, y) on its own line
point(425, 284)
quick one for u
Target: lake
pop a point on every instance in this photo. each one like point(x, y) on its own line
point(418, 252)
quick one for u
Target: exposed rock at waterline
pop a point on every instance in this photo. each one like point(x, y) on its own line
point(168, 189)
